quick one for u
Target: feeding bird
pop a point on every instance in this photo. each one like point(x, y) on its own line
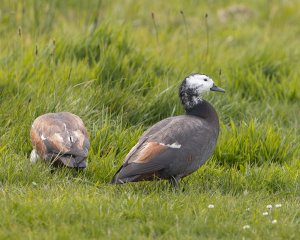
point(60, 139)
point(176, 146)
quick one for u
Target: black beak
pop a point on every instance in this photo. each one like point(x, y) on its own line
point(217, 89)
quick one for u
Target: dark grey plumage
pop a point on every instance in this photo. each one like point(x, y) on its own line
point(177, 146)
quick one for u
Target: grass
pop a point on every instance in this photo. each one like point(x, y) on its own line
point(118, 66)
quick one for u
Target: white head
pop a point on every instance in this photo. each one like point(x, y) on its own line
point(193, 86)
point(201, 83)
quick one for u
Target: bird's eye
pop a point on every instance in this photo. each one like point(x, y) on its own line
point(205, 79)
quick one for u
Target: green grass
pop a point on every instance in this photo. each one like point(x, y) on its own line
point(106, 62)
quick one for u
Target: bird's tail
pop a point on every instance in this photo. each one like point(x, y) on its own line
point(115, 179)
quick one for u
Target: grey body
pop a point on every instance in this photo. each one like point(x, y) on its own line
point(180, 145)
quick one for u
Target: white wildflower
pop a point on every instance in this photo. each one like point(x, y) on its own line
point(246, 226)
point(269, 206)
point(278, 205)
point(274, 221)
point(248, 209)
point(265, 213)
point(211, 206)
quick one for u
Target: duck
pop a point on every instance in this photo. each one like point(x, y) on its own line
point(60, 139)
point(176, 146)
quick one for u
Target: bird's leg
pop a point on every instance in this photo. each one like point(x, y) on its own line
point(174, 181)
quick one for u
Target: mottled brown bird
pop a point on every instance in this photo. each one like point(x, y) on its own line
point(60, 139)
point(177, 146)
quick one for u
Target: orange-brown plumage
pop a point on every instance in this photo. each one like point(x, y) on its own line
point(60, 137)
point(148, 151)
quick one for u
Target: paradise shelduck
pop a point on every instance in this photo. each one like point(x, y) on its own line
point(60, 139)
point(176, 146)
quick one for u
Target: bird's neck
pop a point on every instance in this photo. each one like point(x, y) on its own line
point(204, 110)
point(190, 98)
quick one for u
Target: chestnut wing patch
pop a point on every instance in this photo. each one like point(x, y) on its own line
point(148, 151)
point(56, 143)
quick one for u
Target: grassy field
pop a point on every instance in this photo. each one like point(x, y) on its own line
point(118, 65)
